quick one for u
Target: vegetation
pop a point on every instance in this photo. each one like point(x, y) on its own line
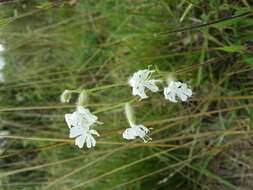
point(50, 46)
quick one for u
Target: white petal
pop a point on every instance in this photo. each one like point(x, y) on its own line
point(182, 96)
point(87, 114)
point(139, 132)
point(184, 92)
point(169, 95)
point(152, 86)
point(76, 131)
point(79, 141)
point(68, 119)
point(132, 82)
point(188, 92)
point(141, 75)
point(145, 74)
point(129, 134)
point(90, 141)
point(141, 92)
point(75, 119)
point(177, 84)
point(81, 109)
point(135, 90)
point(93, 141)
point(145, 129)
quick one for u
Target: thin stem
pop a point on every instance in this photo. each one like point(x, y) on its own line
point(106, 87)
point(205, 24)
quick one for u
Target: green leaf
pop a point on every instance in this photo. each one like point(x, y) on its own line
point(232, 48)
point(44, 5)
point(226, 23)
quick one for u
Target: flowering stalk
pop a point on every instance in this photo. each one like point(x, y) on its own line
point(135, 130)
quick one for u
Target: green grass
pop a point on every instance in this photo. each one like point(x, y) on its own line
point(96, 45)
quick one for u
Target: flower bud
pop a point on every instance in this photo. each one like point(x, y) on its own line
point(170, 78)
point(129, 114)
point(83, 98)
point(66, 96)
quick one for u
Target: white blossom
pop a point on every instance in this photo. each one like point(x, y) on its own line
point(83, 134)
point(141, 80)
point(136, 131)
point(81, 117)
point(177, 89)
point(79, 123)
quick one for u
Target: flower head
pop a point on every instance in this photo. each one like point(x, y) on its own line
point(79, 123)
point(140, 80)
point(135, 130)
point(81, 117)
point(83, 134)
point(177, 89)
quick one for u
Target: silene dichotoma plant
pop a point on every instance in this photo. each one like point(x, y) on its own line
point(82, 121)
point(134, 130)
point(141, 80)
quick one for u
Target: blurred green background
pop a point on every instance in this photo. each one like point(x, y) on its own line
point(52, 45)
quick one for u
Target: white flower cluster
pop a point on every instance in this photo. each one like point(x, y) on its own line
point(80, 125)
point(142, 79)
point(82, 121)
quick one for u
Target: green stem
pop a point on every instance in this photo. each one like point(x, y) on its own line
point(106, 87)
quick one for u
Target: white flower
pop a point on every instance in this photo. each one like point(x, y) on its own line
point(140, 80)
point(81, 117)
point(177, 89)
point(83, 134)
point(136, 131)
point(79, 123)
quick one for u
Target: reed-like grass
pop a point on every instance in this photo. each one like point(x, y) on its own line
point(96, 45)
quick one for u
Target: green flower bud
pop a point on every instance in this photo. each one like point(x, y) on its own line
point(83, 98)
point(66, 96)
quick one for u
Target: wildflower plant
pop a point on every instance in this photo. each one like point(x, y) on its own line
point(82, 121)
point(93, 44)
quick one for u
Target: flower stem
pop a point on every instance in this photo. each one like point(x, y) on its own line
point(106, 87)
